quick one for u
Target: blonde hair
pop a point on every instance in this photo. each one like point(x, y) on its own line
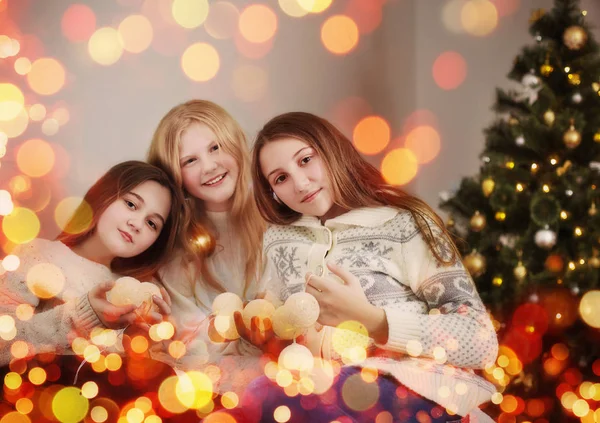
point(199, 243)
point(354, 182)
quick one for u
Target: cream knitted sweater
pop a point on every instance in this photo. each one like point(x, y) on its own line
point(48, 267)
point(432, 310)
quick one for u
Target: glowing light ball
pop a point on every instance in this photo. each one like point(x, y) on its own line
point(262, 309)
point(303, 309)
point(296, 357)
point(223, 306)
point(589, 308)
point(282, 325)
point(128, 290)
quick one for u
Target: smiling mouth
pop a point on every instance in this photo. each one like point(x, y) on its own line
point(215, 180)
point(126, 236)
point(310, 196)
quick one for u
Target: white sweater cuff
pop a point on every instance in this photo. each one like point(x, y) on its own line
point(84, 317)
point(403, 327)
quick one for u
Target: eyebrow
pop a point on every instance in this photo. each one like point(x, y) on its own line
point(141, 200)
point(297, 153)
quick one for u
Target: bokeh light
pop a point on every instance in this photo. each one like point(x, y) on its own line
point(21, 226)
point(45, 280)
point(50, 127)
point(35, 158)
point(37, 112)
point(64, 211)
point(69, 405)
point(46, 76)
point(359, 395)
point(282, 414)
point(249, 83)
point(194, 389)
point(15, 416)
point(506, 7)
point(22, 65)
point(11, 263)
point(24, 405)
point(15, 127)
point(449, 70)
point(89, 389)
point(11, 101)
point(424, 142)
point(222, 20)
point(258, 23)
point(589, 308)
point(399, 166)
point(61, 115)
point(252, 50)
point(292, 8)
point(78, 23)
point(371, 135)
point(105, 46)
point(479, 17)
point(190, 13)
point(136, 33)
point(314, 6)
point(37, 376)
point(339, 34)
point(200, 62)
point(451, 16)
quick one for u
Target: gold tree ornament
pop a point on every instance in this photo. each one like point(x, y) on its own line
point(594, 261)
point(572, 138)
point(536, 15)
point(574, 78)
point(575, 37)
point(597, 137)
point(549, 117)
point(477, 222)
point(520, 271)
point(593, 210)
point(563, 169)
point(546, 69)
point(487, 186)
point(475, 264)
point(596, 87)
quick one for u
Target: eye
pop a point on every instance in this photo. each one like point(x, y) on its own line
point(130, 204)
point(280, 179)
point(188, 161)
point(153, 225)
point(306, 159)
point(214, 147)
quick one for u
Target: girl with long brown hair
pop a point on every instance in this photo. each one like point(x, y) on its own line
point(126, 225)
point(373, 254)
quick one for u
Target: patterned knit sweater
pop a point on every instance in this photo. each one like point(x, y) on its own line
point(47, 268)
point(438, 327)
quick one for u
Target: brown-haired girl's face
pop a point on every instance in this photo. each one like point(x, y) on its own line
point(131, 224)
point(297, 175)
point(208, 172)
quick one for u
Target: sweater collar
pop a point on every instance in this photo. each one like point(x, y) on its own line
point(368, 217)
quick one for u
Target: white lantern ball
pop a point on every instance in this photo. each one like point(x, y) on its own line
point(128, 290)
point(282, 325)
point(225, 326)
point(545, 238)
point(227, 303)
point(303, 308)
point(296, 357)
point(260, 308)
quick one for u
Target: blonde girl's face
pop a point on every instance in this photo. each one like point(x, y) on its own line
point(208, 172)
point(297, 175)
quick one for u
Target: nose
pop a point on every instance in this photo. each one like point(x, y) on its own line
point(208, 165)
point(301, 182)
point(134, 224)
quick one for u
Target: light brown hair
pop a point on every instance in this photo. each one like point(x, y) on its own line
point(354, 182)
point(246, 219)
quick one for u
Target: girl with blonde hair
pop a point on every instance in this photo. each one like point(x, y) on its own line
point(205, 151)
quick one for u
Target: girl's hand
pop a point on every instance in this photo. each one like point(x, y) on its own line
point(342, 302)
point(110, 315)
point(264, 338)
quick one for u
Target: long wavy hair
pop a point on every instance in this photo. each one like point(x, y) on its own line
point(199, 240)
point(354, 182)
point(114, 184)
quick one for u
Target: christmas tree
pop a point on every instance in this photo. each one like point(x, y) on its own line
point(531, 225)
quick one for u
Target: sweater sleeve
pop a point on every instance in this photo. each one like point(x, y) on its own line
point(48, 330)
point(457, 330)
